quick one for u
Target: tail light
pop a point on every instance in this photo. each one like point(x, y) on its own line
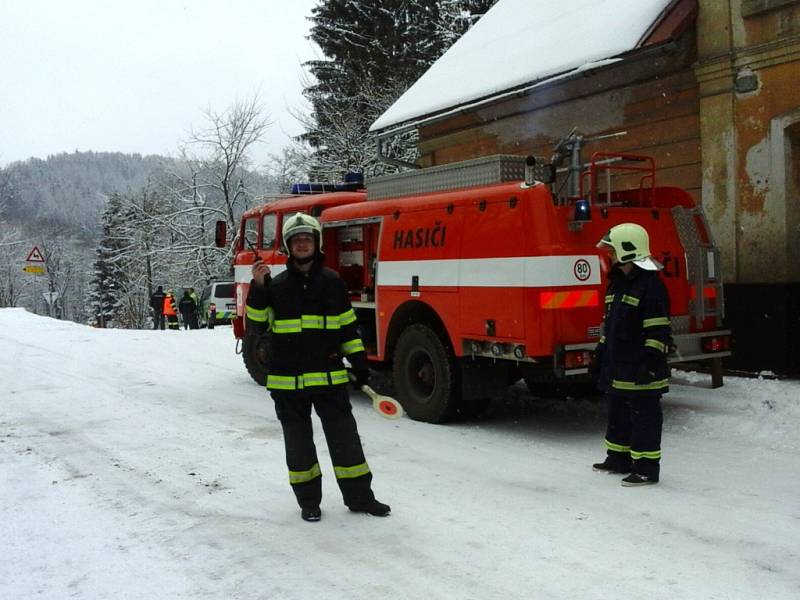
point(717, 343)
point(577, 359)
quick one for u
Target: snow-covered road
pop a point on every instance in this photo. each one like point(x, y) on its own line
point(147, 465)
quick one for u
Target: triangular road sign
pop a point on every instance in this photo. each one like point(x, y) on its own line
point(35, 256)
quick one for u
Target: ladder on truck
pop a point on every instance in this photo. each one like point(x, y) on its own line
point(704, 275)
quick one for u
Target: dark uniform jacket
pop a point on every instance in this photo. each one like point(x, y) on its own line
point(187, 305)
point(632, 353)
point(313, 326)
point(157, 302)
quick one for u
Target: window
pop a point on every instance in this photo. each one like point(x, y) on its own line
point(250, 233)
point(224, 290)
point(268, 229)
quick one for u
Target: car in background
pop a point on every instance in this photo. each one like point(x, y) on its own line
point(217, 297)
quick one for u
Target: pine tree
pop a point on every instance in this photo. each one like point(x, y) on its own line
point(109, 274)
point(374, 50)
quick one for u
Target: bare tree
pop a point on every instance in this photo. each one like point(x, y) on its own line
point(223, 147)
point(13, 282)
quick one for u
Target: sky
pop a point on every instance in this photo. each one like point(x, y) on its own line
point(136, 75)
point(141, 465)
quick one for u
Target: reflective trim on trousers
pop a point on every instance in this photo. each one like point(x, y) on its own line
point(351, 472)
point(636, 387)
point(617, 447)
point(652, 455)
point(304, 476)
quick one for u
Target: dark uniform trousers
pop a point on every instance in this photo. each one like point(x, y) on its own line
point(344, 445)
point(634, 430)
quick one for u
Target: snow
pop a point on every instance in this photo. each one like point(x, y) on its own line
point(146, 464)
point(519, 42)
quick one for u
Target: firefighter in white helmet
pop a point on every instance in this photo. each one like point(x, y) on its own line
point(313, 327)
point(631, 358)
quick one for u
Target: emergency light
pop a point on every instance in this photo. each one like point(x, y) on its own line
point(583, 211)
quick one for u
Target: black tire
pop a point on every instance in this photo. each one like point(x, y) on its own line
point(425, 375)
point(256, 350)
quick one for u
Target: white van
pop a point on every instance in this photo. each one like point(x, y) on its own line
point(220, 295)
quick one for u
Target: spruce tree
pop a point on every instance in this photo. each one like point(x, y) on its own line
point(374, 50)
point(109, 274)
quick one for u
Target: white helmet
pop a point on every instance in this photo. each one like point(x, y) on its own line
point(631, 244)
point(301, 223)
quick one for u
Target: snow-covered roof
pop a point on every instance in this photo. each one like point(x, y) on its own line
point(521, 42)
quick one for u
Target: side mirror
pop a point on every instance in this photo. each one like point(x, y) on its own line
point(221, 234)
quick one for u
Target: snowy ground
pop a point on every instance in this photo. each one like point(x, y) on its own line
point(146, 465)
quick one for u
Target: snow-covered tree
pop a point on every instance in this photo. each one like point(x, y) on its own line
point(220, 153)
point(13, 281)
point(373, 51)
point(109, 272)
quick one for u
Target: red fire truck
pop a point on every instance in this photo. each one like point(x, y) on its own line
point(470, 276)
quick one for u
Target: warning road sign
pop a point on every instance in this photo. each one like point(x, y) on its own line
point(35, 256)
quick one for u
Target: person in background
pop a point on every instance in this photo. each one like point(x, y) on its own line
point(171, 310)
point(631, 358)
point(195, 323)
point(157, 304)
point(313, 327)
point(188, 309)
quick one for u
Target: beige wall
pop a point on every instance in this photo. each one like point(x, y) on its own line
point(749, 147)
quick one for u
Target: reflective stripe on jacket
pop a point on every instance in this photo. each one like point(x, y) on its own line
point(313, 327)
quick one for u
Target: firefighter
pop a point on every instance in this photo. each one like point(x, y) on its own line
point(157, 304)
point(631, 357)
point(313, 327)
point(188, 309)
point(195, 324)
point(171, 310)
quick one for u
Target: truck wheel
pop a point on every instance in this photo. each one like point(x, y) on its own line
point(425, 376)
point(256, 349)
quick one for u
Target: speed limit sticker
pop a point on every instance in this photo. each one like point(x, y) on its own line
point(582, 269)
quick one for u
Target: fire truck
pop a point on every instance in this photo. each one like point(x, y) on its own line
point(469, 276)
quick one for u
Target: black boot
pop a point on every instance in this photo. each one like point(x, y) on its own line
point(615, 464)
point(374, 508)
point(637, 479)
point(311, 514)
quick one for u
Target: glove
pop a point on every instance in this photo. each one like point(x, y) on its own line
point(597, 361)
point(361, 378)
point(646, 374)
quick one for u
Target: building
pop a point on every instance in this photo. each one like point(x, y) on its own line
point(710, 88)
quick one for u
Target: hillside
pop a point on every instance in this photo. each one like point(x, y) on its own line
point(73, 189)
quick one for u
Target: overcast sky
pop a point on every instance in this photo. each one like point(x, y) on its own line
point(136, 75)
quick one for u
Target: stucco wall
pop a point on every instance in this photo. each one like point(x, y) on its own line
point(748, 72)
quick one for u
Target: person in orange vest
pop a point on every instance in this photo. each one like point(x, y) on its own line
point(171, 310)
